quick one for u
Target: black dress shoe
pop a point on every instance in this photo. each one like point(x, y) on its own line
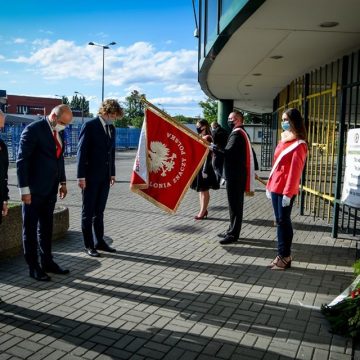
point(105, 247)
point(38, 274)
point(55, 269)
point(228, 239)
point(222, 235)
point(92, 252)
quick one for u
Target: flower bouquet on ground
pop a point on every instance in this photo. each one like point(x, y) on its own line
point(343, 313)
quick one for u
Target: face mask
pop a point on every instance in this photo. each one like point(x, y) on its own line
point(285, 125)
point(108, 122)
point(231, 124)
point(198, 129)
point(59, 127)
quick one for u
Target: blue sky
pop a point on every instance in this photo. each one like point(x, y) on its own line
point(44, 50)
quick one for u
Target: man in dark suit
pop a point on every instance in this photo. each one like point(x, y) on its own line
point(220, 137)
point(41, 175)
point(238, 168)
point(96, 173)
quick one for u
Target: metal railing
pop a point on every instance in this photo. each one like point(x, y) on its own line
point(126, 138)
point(329, 99)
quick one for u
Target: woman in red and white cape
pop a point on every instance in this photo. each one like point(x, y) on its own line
point(283, 184)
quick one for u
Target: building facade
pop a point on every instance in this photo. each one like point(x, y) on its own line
point(263, 56)
point(29, 105)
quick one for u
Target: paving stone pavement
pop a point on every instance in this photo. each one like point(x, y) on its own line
point(171, 291)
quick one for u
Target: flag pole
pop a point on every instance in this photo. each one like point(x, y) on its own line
point(259, 179)
point(168, 117)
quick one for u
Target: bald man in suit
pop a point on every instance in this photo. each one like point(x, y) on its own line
point(41, 176)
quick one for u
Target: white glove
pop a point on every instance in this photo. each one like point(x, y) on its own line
point(204, 175)
point(285, 201)
point(212, 147)
point(268, 194)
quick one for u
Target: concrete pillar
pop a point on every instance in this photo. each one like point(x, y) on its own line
point(225, 107)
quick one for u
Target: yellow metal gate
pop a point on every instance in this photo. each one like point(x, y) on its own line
point(329, 99)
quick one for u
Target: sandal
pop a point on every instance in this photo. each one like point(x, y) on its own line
point(282, 264)
point(274, 262)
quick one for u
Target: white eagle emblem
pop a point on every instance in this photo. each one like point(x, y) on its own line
point(160, 159)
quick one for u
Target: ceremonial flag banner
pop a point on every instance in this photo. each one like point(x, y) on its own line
point(168, 158)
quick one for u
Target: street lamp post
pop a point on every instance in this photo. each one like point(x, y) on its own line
point(82, 105)
point(103, 61)
point(60, 96)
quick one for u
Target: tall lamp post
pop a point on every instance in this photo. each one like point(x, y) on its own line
point(60, 96)
point(82, 105)
point(103, 61)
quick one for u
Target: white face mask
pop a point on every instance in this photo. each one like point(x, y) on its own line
point(59, 127)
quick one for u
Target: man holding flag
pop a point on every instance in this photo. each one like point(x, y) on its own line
point(239, 175)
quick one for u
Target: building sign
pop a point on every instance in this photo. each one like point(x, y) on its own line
point(351, 186)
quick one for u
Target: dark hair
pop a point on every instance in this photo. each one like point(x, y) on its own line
point(205, 123)
point(297, 123)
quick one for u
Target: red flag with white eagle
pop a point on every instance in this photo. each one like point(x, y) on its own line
point(168, 158)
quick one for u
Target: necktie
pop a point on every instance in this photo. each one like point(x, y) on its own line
point(108, 131)
point(58, 145)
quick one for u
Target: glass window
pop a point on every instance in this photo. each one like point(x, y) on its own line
point(211, 23)
point(202, 28)
point(229, 9)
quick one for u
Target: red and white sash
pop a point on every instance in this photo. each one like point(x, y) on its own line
point(284, 152)
point(250, 169)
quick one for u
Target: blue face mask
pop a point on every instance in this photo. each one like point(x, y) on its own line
point(285, 125)
point(108, 122)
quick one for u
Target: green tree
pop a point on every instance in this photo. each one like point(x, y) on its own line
point(181, 118)
point(122, 123)
point(137, 121)
point(210, 109)
point(79, 103)
point(250, 118)
point(65, 100)
point(134, 107)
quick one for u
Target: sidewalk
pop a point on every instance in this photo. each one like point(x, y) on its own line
point(171, 291)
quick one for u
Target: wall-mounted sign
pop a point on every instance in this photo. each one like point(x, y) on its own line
point(351, 186)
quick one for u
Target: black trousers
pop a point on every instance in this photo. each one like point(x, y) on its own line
point(95, 196)
point(235, 195)
point(38, 228)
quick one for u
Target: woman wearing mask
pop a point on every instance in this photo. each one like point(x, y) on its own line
point(206, 178)
point(283, 184)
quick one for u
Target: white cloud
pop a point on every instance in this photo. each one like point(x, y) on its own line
point(39, 43)
point(183, 88)
point(43, 31)
point(169, 100)
point(139, 66)
point(138, 63)
point(19, 41)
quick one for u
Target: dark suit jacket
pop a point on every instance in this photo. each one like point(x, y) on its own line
point(235, 159)
point(220, 136)
point(37, 165)
point(96, 152)
point(4, 164)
